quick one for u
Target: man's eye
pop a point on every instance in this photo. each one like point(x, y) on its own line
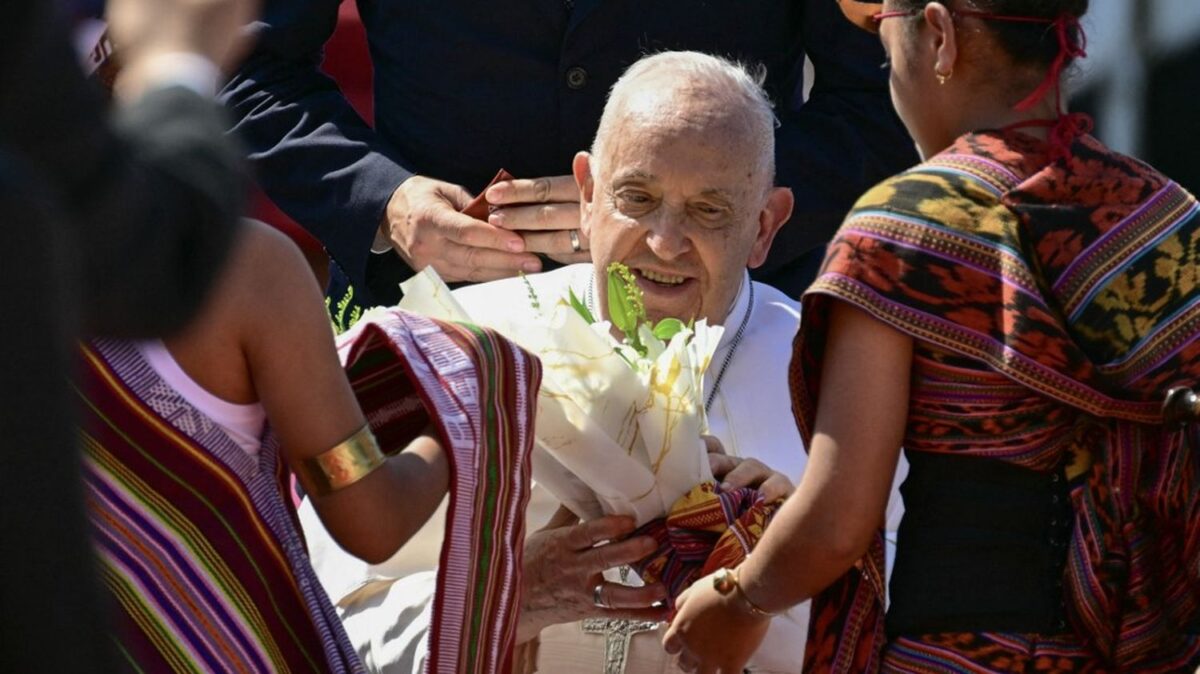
point(634, 202)
point(708, 210)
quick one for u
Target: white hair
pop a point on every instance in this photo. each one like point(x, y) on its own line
point(689, 83)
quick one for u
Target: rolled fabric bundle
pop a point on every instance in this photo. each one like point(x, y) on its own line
point(706, 530)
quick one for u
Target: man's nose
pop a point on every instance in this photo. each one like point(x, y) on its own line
point(667, 235)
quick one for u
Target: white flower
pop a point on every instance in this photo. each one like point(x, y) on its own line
point(617, 432)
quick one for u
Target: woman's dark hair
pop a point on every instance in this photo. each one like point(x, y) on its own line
point(1032, 44)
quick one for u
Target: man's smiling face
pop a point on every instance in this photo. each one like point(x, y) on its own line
point(682, 200)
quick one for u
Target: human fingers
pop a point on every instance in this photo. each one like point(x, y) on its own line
point(672, 641)
point(537, 217)
point(617, 596)
point(612, 555)
point(563, 517)
point(533, 190)
point(424, 226)
point(712, 444)
point(467, 263)
point(571, 258)
point(559, 242)
point(776, 488)
point(607, 528)
point(687, 662)
point(468, 231)
point(756, 474)
point(746, 473)
point(721, 465)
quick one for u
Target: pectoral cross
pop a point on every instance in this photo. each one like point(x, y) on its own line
point(617, 635)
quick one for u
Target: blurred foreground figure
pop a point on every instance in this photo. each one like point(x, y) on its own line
point(109, 226)
point(1013, 312)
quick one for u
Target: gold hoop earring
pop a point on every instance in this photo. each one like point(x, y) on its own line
point(940, 77)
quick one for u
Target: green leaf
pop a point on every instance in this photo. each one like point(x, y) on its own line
point(620, 309)
point(579, 307)
point(667, 328)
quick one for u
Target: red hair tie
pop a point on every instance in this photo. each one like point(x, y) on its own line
point(1067, 49)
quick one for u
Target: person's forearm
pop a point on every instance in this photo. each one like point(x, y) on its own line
point(313, 155)
point(806, 548)
point(374, 517)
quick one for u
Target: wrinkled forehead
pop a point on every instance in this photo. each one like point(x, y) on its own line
point(654, 135)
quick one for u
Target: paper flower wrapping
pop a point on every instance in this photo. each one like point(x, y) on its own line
point(618, 430)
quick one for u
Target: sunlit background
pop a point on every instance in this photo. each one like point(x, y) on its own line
point(1141, 82)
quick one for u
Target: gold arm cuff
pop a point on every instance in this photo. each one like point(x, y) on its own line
point(341, 466)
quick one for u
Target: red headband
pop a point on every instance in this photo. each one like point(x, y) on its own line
point(1067, 48)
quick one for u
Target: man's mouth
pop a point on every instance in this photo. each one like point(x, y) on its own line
point(661, 279)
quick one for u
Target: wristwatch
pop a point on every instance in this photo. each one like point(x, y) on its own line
point(726, 581)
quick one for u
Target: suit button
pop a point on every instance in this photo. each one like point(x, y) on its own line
point(577, 78)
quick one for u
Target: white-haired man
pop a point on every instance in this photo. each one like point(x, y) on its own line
point(680, 188)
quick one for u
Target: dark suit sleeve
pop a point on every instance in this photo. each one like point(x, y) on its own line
point(150, 201)
point(312, 153)
point(839, 143)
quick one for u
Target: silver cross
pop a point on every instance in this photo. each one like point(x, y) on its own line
point(617, 634)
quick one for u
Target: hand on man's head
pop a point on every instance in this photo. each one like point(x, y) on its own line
point(545, 211)
point(424, 226)
point(563, 567)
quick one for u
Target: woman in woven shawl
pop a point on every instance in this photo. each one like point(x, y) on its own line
point(188, 445)
point(1012, 312)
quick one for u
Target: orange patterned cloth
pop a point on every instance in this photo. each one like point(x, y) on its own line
point(707, 529)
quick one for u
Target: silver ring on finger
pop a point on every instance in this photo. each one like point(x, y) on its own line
point(576, 244)
point(597, 598)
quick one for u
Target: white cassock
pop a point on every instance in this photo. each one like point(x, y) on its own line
point(385, 607)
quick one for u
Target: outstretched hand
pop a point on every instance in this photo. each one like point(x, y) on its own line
point(563, 567)
point(711, 633)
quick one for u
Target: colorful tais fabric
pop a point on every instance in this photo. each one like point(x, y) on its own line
point(199, 549)
point(482, 391)
point(199, 544)
point(1052, 303)
point(707, 529)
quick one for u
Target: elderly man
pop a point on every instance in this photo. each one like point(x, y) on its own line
point(461, 91)
point(680, 188)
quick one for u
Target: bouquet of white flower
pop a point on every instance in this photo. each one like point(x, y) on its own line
point(619, 421)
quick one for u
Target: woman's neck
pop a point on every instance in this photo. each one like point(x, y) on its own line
point(992, 116)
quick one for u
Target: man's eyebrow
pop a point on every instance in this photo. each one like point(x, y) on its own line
point(718, 193)
point(633, 176)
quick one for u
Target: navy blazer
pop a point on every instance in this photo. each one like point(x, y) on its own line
point(464, 88)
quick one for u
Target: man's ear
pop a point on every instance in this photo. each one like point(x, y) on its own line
point(775, 212)
point(581, 167)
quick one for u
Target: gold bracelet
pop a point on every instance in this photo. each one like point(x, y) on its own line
point(346, 463)
point(726, 581)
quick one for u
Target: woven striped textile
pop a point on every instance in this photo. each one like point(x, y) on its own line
point(1052, 304)
point(199, 548)
point(707, 529)
point(199, 543)
point(481, 391)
